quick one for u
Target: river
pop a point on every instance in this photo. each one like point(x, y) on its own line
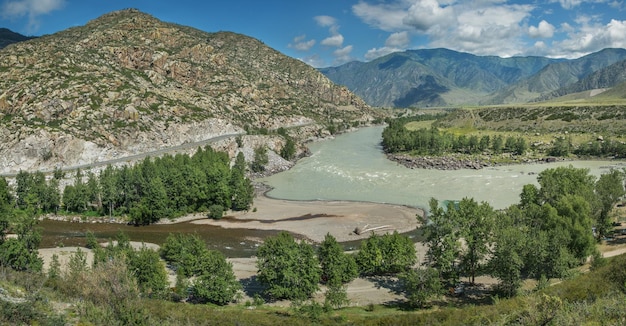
point(353, 167)
point(350, 167)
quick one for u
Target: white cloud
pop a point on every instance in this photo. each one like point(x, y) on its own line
point(569, 4)
point(388, 17)
point(325, 21)
point(334, 40)
point(591, 38)
point(379, 52)
point(398, 40)
point(424, 14)
point(314, 61)
point(301, 44)
point(342, 55)
point(543, 30)
point(395, 42)
point(30, 8)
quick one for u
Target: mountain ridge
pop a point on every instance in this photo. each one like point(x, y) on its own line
point(443, 77)
point(126, 83)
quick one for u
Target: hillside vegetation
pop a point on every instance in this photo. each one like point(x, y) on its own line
point(128, 83)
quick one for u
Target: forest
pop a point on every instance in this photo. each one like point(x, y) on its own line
point(161, 187)
point(433, 141)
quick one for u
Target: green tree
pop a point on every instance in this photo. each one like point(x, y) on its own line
point(386, 254)
point(421, 285)
point(442, 240)
point(289, 149)
point(216, 282)
point(145, 265)
point(260, 159)
point(337, 266)
point(184, 251)
point(508, 254)
point(476, 223)
point(288, 269)
point(609, 188)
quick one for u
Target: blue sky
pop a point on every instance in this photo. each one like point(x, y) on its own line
point(332, 32)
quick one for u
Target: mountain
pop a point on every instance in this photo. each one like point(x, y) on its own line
point(442, 77)
point(432, 77)
point(127, 83)
point(556, 76)
point(597, 81)
point(8, 37)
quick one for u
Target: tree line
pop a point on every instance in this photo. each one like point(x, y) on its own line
point(432, 141)
point(160, 187)
point(396, 138)
point(548, 233)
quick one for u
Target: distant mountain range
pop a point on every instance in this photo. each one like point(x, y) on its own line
point(8, 37)
point(442, 77)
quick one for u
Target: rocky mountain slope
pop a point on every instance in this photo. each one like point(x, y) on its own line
point(127, 83)
point(8, 37)
point(441, 77)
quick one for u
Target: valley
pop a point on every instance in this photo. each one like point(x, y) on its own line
point(154, 173)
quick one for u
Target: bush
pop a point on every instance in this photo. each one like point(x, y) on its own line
point(216, 212)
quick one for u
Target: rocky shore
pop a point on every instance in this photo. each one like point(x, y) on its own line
point(458, 163)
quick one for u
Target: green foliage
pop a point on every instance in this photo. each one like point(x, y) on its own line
point(149, 271)
point(609, 188)
point(337, 266)
point(184, 251)
point(442, 238)
point(288, 269)
point(21, 253)
point(421, 285)
point(216, 212)
point(260, 159)
point(289, 149)
point(386, 254)
point(153, 189)
point(216, 282)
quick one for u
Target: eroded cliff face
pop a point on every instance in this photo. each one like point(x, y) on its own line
point(127, 83)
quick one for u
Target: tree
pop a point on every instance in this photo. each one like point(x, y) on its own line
point(420, 285)
point(476, 223)
point(609, 188)
point(386, 254)
point(216, 281)
point(184, 251)
point(508, 254)
point(260, 159)
point(288, 269)
point(337, 266)
point(148, 270)
point(558, 182)
point(289, 149)
point(442, 239)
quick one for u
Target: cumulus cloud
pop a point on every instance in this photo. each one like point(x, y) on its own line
point(591, 38)
point(395, 42)
point(424, 14)
point(301, 44)
point(30, 8)
point(342, 55)
point(387, 16)
point(333, 40)
point(543, 30)
point(398, 40)
point(325, 21)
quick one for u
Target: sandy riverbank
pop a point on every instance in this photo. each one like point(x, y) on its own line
point(314, 219)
